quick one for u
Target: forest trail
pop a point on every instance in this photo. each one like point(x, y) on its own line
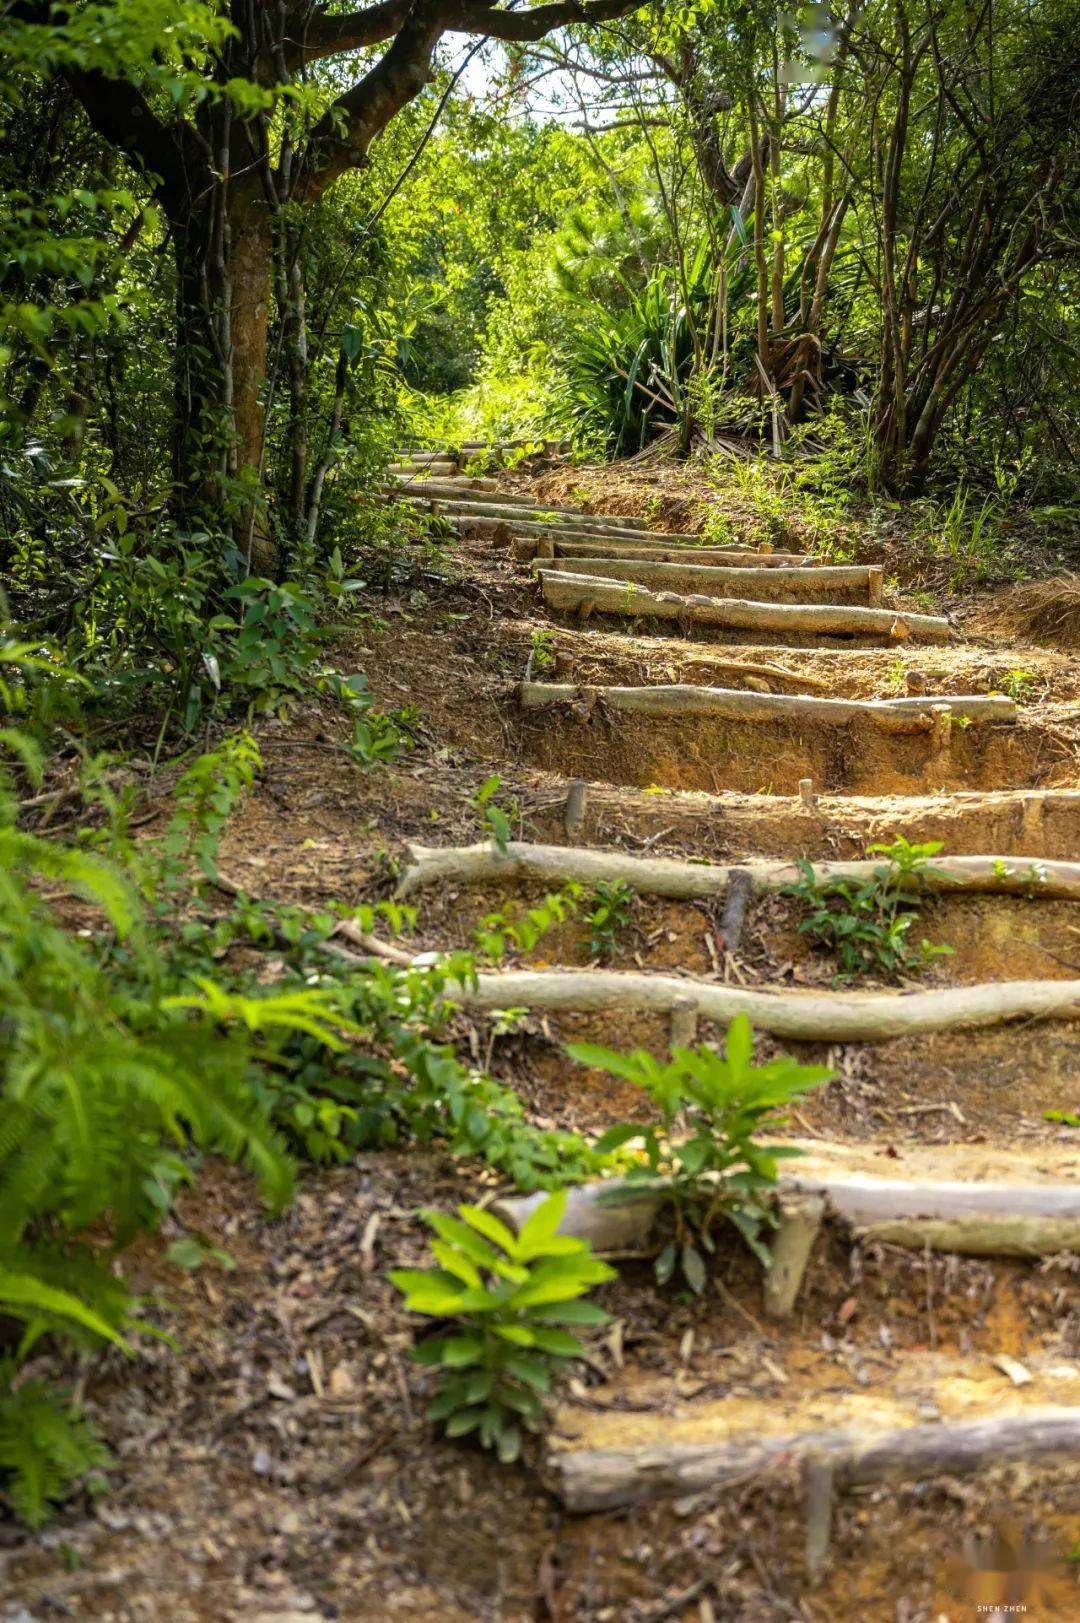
point(793, 711)
point(866, 1432)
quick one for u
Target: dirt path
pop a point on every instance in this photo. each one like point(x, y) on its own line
point(277, 1465)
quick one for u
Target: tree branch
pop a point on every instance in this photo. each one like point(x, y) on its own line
point(525, 26)
point(332, 36)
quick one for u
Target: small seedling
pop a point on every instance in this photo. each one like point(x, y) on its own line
point(702, 1155)
point(542, 651)
point(1018, 685)
point(510, 1297)
point(497, 931)
point(866, 923)
point(608, 915)
point(498, 820)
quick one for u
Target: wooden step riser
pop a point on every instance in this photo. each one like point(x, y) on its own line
point(751, 617)
point(858, 584)
point(528, 548)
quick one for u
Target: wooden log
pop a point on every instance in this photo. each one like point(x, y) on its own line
point(659, 549)
point(977, 1218)
point(819, 1497)
point(576, 798)
point(614, 1479)
point(832, 582)
point(588, 530)
point(565, 592)
point(739, 891)
point(664, 700)
point(798, 1225)
point(562, 517)
point(825, 1017)
point(991, 1235)
point(413, 482)
point(686, 881)
point(459, 488)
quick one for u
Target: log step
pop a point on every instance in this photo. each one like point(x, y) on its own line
point(583, 594)
point(660, 549)
point(561, 517)
point(968, 1198)
point(800, 1016)
point(553, 865)
point(909, 715)
point(831, 583)
point(859, 1437)
point(412, 481)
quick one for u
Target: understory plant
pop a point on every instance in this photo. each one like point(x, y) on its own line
point(607, 915)
point(701, 1151)
point(867, 923)
point(498, 931)
point(510, 1299)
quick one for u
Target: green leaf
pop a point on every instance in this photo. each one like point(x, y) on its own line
point(693, 1267)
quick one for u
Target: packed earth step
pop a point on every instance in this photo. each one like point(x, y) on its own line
point(681, 736)
point(659, 550)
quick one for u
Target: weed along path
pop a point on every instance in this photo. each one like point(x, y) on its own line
point(732, 835)
point(774, 789)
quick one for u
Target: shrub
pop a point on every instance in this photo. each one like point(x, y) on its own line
point(866, 923)
point(510, 1298)
point(701, 1154)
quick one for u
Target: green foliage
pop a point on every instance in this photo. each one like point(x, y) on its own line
point(542, 651)
point(607, 915)
point(497, 931)
point(498, 820)
point(1018, 685)
point(510, 1298)
point(866, 923)
point(701, 1154)
point(205, 796)
point(46, 1447)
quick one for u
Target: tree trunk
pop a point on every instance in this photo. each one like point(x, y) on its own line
point(223, 253)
